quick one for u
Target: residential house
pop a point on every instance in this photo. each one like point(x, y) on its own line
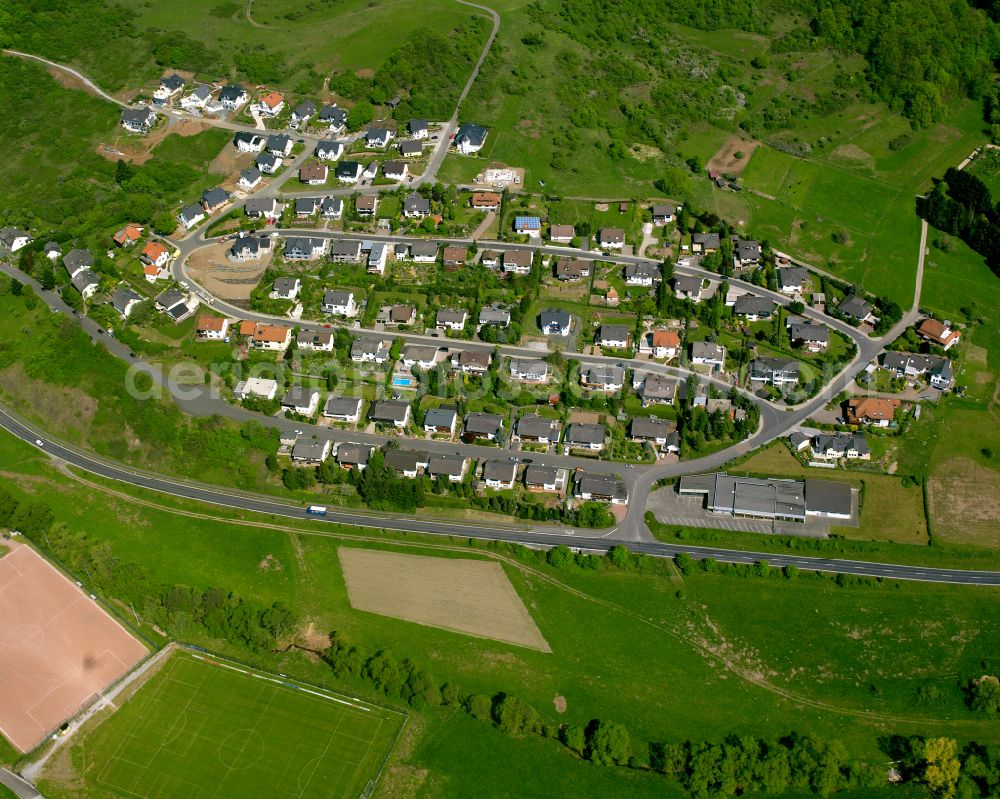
point(333, 117)
point(541, 478)
point(313, 173)
point(268, 163)
point(810, 336)
point(529, 371)
point(611, 238)
point(349, 171)
point(214, 199)
point(303, 248)
point(656, 389)
point(601, 488)
point(584, 436)
point(247, 142)
point(475, 362)
point(517, 262)
point(191, 215)
point(370, 171)
point(614, 336)
point(52, 250)
point(155, 254)
point(453, 467)
point(232, 97)
point(572, 270)
point(250, 178)
point(301, 400)
point(424, 252)
point(378, 137)
point(198, 98)
point(555, 322)
point(123, 300)
point(440, 421)
point(303, 112)
point(366, 204)
point(528, 226)
point(651, 429)
point(417, 128)
point(537, 429)
point(343, 409)
point(449, 319)
point(340, 303)
point(394, 412)
point(705, 242)
point(345, 252)
point(249, 248)
point(488, 201)
point(354, 456)
point(661, 343)
point(398, 315)
point(708, 353)
point(602, 377)
point(910, 365)
point(641, 275)
point(212, 328)
point(369, 351)
point(152, 273)
point(305, 207)
point(775, 372)
point(170, 85)
point(395, 170)
point(271, 104)
point(484, 425)
point(409, 149)
point(746, 253)
point(754, 308)
point(939, 333)
point(852, 446)
point(138, 120)
point(416, 207)
point(454, 257)
point(377, 257)
point(271, 337)
point(872, 411)
point(663, 214)
point(125, 237)
point(688, 288)
point(176, 304)
point(258, 387)
point(498, 474)
point(491, 315)
point(490, 259)
point(286, 288)
point(329, 150)
point(791, 279)
point(417, 355)
point(561, 234)
point(257, 207)
point(280, 145)
point(331, 208)
point(406, 462)
point(856, 308)
point(470, 139)
point(311, 450)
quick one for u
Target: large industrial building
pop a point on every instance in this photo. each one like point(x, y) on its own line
point(770, 498)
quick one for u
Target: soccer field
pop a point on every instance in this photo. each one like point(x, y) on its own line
point(209, 729)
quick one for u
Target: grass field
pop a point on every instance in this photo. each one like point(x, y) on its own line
point(905, 524)
point(209, 728)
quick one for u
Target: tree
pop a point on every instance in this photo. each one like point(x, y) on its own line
point(573, 737)
point(47, 278)
point(360, 115)
point(941, 765)
point(984, 694)
point(559, 556)
point(72, 298)
point(15, 287)
point(122, 171)
point(608, 743)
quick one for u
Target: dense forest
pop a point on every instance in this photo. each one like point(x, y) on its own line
point(961, 205)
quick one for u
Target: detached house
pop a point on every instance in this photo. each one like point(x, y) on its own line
point(494, 316)
point(155, 254)
point(584, 436)
point(409, 149)
point(423, 252)
point(417, 355)
point(641, 275)
point(366, 204)
point(305, 207)
point(138, 120)
point(451, 466)
point(911, 365)
point(214, 199)
point(399, 315)
point(470, 139)
point(311, 450)
point(301, 400)
point(529, 371)
point(614, 336)
point(169, 86)
point(395, 170)
point(198, 98)
point(663, 214)
point(791, 279)
point(746, 253)
point(809, 336)
point(603, 377)
point(537, 429)
point(280, 145)
point(340, 303)
point(349, 171)
point(250, 178)
point(123, 300)
point(333, 117)
point(257, 207)
point(86, 282)
point(233, 96)
point(125, 237)
point(271, 337)
point(77, 260)
point(484, 425)
point(688, 288)
point(655, 388)
point(499, 475)
point(570, 271)
point(391, 412)
point(708, 353)
point(354, 456)
point(378, 137)
point(705, 242)
point(448, 319)
point(331, 208)
point(454, 257)
point(313, 173)
point(561, 234)
point(303, 112)
point(939, 333)
point(212, 328)
point(651, 430)
point(249, 248)
point(473, 362)
point(611, 238)
point(417, 128)
point(268, 163)
point(343, 409)
point(661, 343)
point(286, 288)
point(440, 421)
point(543, 478)
point(555, 322)
point(775, 372)
point(368, 351)
point(517, 262)
point(345, 252)
point(416, 207)
point(486, 201)
point(856, 308)
point(754, 308)
point(528, 226)
point(271, 104)
point(303, 248)
point(176, 304)
point(872, 411)
point(329, 150)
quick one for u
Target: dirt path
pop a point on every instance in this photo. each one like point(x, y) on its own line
point(92, 87)
point(483, 226)
point(719, 652)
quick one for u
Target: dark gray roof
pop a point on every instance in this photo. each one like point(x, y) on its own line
point(213, 197)
point(172, 82)
point(278, 141)
point(389, 411)
point(328, 145)
point(298, 396)
point(706, 240)
point(306, 205)
point(765, 367)
point(414, 126)
point(450, 465)
point(424, 248)
point(581, 433)
point(348, 169)
point(331, 113)
point(449, 316)
point(256, 206)
point(267, 160)
point(484, 423)
point(440, 417)
point(411, 147)
point(810, 331)
point(84, 279)
point(285, 285)
point(748, 250)
point(664, 209)
point(305, 109)
point(171, 297)
point(602, 485)
point(310, 449)
point(751, 304)
point(191, 212)
point(354, 454)
point(554, 316)
point(342, 406)
point(376, 134)
point(504, 471)
point(855, 307)
point(614, 332)
point(473, 134)
point(231, 92)
point(332, 205)
point(792, 276)
point(650, 427)
point(534, 426)
point(250, 175)
point(639, 271)
point(414, 203)
point(687, 285)
point(122, 296)
point(540, 475)
point(404, 460)
point(828, 496)
point(336, 297)
point(77, 258)
point(344, 248)
point(137, 116)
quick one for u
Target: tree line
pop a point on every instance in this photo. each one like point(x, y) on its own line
point(961, 204)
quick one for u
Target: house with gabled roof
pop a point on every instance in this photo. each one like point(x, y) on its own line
point(537, 429)
point(378, 137)
point(198, 98)
point(611, 238)
point(688, 287)
point(271, 104)
point(394, 412)
point(303, 112)
point(343, 409)
point(247, 142)
point(939, 333)
point(580, 435)
point(499, 474)
point(232, 96)
point(138, 120)
point(440, 421)
point(470, 139)
point(333, 117)
point(484, 425)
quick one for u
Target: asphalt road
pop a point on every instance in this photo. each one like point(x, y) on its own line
point(530, 535)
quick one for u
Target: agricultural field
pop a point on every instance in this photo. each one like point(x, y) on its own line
point(467, 596)
point(216, 729)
